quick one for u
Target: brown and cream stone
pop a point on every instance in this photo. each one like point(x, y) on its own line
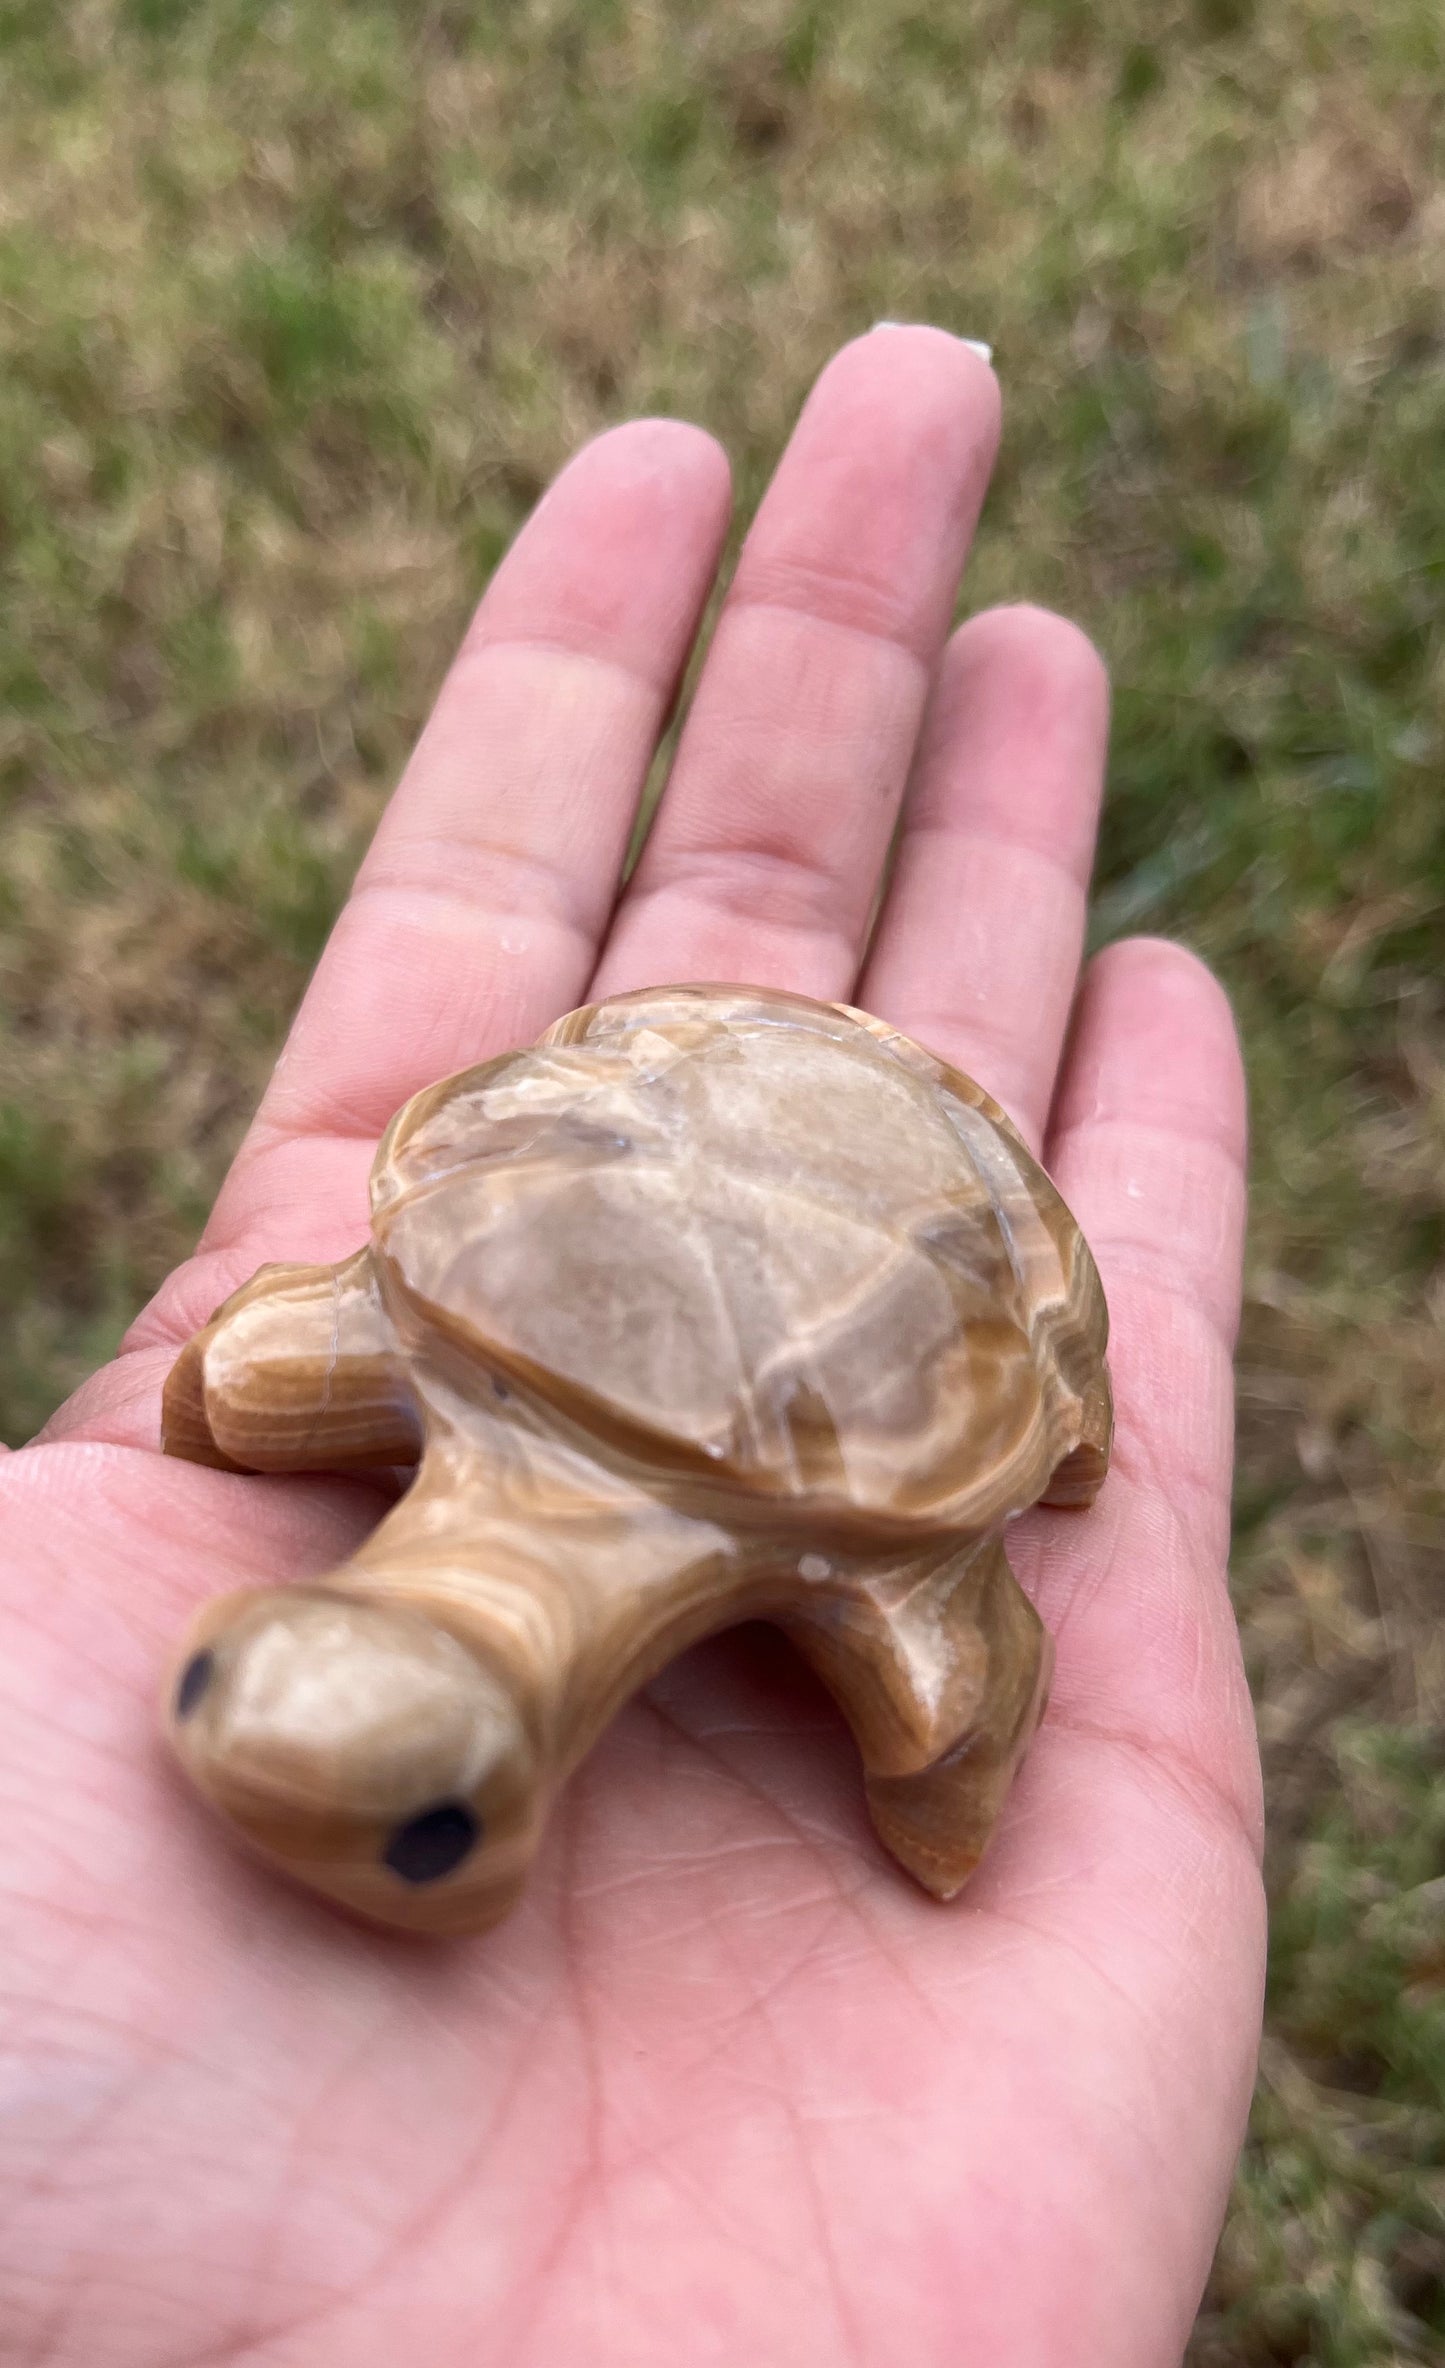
point(716, 1304)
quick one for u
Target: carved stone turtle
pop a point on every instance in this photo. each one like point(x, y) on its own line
point(716, 1304)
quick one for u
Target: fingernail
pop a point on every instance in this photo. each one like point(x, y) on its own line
point(975, 344)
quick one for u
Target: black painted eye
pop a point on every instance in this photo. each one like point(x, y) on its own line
point(194, 1679)
point(429, 1846)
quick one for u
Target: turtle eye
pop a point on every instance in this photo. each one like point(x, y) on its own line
point(432, 1844)
point(194, 1679)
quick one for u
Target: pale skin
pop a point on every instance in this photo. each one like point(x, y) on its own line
point(727, 2088)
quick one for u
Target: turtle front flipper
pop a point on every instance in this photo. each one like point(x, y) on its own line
point(943, 1678)
point(296, 1373)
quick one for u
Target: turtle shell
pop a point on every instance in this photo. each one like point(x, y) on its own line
point(764, 1244)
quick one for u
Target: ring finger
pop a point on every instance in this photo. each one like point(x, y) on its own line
point(977, 948)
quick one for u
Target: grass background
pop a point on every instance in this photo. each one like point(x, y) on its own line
point(300, 306)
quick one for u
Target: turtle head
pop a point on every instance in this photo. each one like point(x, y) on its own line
point(362, 1748)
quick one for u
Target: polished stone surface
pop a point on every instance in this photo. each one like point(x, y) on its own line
point(716, 1304)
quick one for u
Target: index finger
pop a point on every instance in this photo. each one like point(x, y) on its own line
point(475, 916)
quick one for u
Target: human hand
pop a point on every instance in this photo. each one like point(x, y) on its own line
point(727, 2088)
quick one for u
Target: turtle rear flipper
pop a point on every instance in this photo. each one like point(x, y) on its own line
point(1079, 1478)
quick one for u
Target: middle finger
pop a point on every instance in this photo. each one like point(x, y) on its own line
point(766, 851)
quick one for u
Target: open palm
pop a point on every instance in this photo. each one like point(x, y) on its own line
point(727, 2088)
